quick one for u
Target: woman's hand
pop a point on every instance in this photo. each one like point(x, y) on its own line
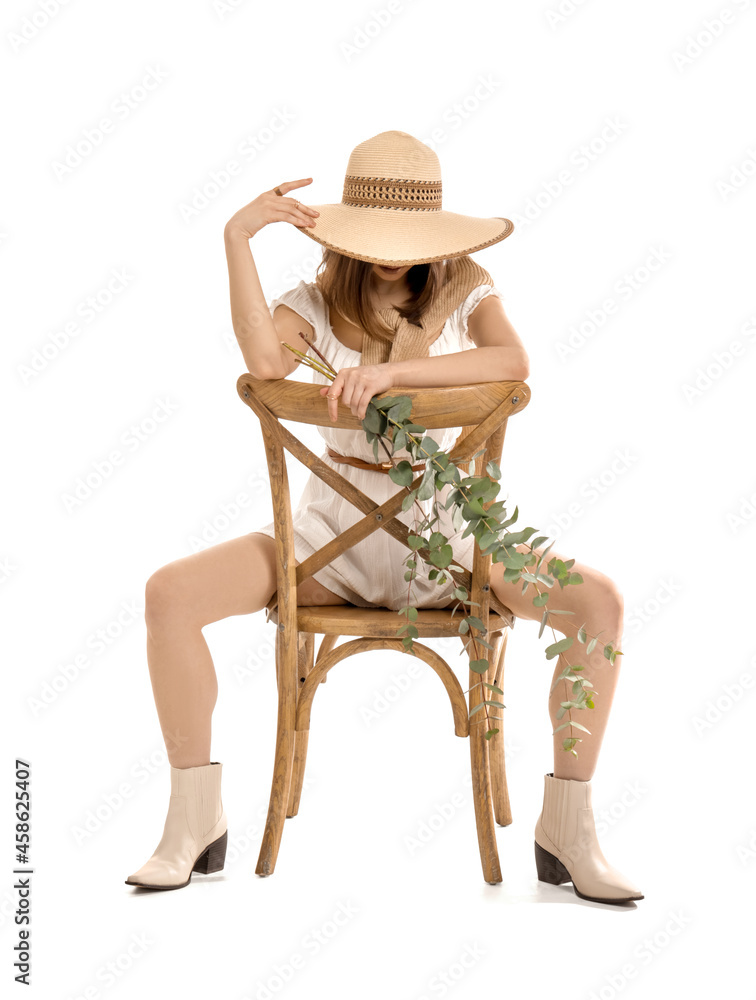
point(270, 207)
point(355, 387)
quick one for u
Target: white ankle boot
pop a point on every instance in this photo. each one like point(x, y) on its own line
point(195, 832)
point(567, 848)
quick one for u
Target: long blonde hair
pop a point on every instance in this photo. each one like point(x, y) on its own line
point(344, 282)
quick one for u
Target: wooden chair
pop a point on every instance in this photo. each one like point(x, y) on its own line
point(482, 410)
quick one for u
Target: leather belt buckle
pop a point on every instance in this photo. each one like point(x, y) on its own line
point(385, 465)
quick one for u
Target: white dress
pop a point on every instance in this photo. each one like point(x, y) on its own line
point(371, 572)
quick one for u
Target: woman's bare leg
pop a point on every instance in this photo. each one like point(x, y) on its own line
point(236, 577)
point(599, 605)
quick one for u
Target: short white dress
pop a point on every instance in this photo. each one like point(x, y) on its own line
point(371, 572)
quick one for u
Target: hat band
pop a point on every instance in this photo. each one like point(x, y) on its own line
point(390, 192)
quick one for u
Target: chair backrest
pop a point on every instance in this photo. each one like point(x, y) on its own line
point(481, 409)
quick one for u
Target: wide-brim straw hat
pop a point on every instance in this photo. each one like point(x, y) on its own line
point(390, 211)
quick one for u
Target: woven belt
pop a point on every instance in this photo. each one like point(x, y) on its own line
point(359, 464)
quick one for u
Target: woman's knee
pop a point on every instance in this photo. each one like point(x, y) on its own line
point(603, 598)
point(165, 596)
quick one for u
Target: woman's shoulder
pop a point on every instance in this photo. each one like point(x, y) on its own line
point(304, 298)
point(459, 319)
point(305, 292)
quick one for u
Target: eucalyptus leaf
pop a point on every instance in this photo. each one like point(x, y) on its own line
point(408, 500)
point(578, 725)
point(558, 647)
point(442, 557)
point(479, 666)
point(374, 420)
point(387, 401)
point(402, 473)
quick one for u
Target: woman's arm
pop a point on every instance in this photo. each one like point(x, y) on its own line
point(499, 356)
point(486, 364)
point(258, 337)
point(253, 325)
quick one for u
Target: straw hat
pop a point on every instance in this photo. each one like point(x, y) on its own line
point(390, 210)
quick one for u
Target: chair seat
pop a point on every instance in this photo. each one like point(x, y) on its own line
point(348, 619)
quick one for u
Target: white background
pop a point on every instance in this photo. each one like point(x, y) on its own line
point(675, 794)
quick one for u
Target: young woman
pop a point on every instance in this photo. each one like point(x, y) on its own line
point(399, 303)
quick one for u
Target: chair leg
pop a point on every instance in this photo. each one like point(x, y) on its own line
point(281, 784)
point(305, 653)
point(497, 765)
point(481, 785)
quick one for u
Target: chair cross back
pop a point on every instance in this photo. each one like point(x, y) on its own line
point(274, 400)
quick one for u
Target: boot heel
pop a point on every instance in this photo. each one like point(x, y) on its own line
point(213, 857)
point(550, 869)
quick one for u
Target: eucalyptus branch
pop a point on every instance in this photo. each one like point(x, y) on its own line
point(467, 499)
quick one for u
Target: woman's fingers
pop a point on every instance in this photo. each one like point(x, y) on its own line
point(291, 185)
point(299, 219)
point(299, 214)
